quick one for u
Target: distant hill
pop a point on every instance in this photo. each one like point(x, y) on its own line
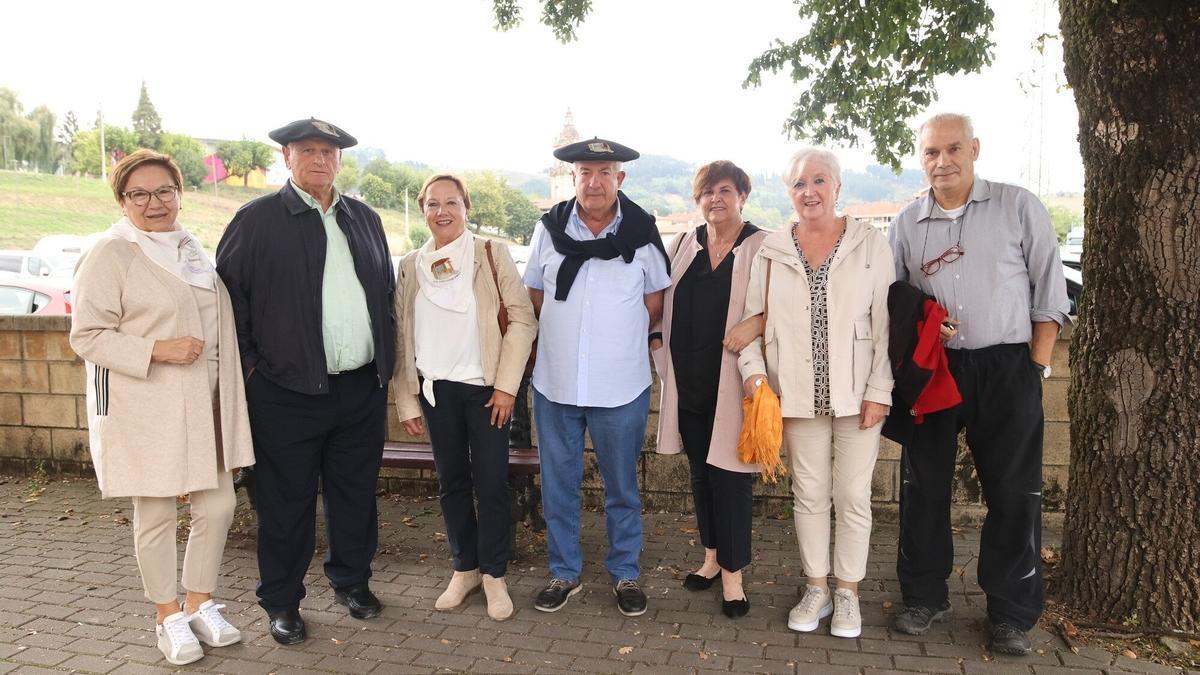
point(34, 205)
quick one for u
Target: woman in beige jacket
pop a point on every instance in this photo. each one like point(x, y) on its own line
point(456, 364)
point(166, 408)
point(701, 409)
point(826, 338)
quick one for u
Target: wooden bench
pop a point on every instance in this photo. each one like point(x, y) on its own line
point(525, 497)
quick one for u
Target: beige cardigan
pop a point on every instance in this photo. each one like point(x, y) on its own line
point(151, 427)
point(727, 421)
point(504, 357)
point(859, 277)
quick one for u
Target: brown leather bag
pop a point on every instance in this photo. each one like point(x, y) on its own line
point(502, 313)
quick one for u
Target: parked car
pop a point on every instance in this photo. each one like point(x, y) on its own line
point(25, 296)
point(24, 264)
point(1072, 251)
point(1074, 287)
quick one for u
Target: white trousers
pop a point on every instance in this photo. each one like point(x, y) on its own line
point(154, 526)
point(832, 462)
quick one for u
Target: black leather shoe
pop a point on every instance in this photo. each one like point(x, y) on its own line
point(361, 602)
point(697, 582)
point(735, 608)
point(287, 627)
point(630, 598)
point(1008, 639)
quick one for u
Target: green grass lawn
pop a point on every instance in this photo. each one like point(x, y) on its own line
point(35, 205)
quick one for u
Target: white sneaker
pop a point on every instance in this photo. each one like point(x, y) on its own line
point(847, 622)
point(211, 628)
point(814, 606)
point(176, 640)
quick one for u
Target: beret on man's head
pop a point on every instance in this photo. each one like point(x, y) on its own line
point(313, 128)
point(596, 150)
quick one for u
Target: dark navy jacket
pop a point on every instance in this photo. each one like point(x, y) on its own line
point(272, 258)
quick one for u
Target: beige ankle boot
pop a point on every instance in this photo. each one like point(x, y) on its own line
point(461, 585)
point(499, 605)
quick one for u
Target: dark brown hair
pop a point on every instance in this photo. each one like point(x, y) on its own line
point(715, 172)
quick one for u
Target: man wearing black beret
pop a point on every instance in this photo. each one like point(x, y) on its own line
point(310, 276)
point(596, 273)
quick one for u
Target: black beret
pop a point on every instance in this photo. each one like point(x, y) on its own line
point(313, 128)
point(596, 150)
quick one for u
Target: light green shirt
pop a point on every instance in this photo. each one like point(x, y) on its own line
point(345, 321)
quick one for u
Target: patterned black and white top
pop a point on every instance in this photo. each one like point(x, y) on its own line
point(818, 281)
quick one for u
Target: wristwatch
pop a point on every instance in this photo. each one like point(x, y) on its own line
point(1045, 370)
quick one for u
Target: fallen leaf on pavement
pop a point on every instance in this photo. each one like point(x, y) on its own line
point(625, 650)
point(1130, 653)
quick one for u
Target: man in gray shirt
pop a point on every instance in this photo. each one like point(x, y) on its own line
point(988, 253)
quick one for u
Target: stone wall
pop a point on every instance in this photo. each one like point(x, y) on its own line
point(43, 426)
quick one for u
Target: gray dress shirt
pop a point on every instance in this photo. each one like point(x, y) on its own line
point(1009, 275)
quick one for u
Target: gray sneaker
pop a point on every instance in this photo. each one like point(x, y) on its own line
point(847, 621)
point(816, 604)
point(915, 620)
point(1008, 639)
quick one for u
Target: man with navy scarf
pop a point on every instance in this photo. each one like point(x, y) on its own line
point(596, 274)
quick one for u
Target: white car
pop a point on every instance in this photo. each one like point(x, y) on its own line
point(26, 264)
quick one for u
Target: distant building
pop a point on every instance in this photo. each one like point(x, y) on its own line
point(879, 214)
point(675, 223)
point(562, 187)
point(274, 176)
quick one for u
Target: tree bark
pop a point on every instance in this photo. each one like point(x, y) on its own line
point(1132, 533)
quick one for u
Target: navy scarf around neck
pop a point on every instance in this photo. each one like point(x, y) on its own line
point(636, 230)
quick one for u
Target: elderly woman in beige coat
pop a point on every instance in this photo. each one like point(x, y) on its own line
point(826, 338)
point(701, 409)
point(166, 409)
point(460, 364)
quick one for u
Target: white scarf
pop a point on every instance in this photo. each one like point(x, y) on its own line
point(453, 291)
point(176, 251)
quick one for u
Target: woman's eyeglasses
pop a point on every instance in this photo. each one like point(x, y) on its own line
point(165, 195)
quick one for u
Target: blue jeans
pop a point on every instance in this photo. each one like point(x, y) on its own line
point(618, 434)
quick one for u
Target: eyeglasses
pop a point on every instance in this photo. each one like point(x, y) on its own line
point(951, 254)
point(165, 195)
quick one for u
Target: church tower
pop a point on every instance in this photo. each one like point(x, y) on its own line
point(562, 187)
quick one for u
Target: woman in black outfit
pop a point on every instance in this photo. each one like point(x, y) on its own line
point(701, 409)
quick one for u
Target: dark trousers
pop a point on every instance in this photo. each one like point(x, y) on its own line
point(724, 499)
point(336, 438)
point(1002, 414)
point(471, 457)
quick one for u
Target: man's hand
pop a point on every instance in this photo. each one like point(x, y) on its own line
point(502, 407)
point(872, 413)
point(949, 331)
point(181, 351)
point(414, 427)
point(743, 333)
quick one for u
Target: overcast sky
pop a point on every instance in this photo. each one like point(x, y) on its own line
point(433, 82)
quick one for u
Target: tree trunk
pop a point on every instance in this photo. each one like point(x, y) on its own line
point(1132, 534)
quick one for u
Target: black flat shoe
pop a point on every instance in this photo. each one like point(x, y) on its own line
point(735, 608)
point(287, 627)
point(361, 602)
point(696, 582)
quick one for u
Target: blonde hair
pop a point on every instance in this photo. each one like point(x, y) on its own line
point(462, 189)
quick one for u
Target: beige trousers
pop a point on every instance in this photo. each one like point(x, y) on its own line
point(832, 462)
point(154, 525)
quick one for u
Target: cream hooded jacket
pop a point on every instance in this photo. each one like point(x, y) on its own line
point(859, 276)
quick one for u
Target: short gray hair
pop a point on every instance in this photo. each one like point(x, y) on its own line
point(616, 165)
point(819, 155)
point(945, 118)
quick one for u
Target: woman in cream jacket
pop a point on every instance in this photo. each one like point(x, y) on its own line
point(454, 366)
point(166, 406)
point(826, 338)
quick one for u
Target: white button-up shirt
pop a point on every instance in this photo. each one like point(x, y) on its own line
point(592, 348)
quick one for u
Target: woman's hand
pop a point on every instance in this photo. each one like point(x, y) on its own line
point(502, 407)
point(414, 427)
point(181, 351)
point(872, 413)
point(743, 333)
point(949, 329)
point(751, 384)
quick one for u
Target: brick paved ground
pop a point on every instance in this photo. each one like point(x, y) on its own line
point(70, 600)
